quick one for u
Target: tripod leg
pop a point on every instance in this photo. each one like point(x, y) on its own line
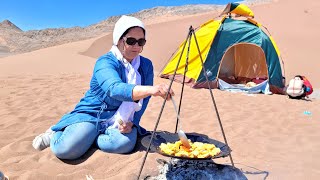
point(213, 100)
point(184, 75)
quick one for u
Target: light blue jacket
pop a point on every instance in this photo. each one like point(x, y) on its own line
point(108, 88)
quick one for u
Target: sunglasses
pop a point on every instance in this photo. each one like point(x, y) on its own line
point(132, 41)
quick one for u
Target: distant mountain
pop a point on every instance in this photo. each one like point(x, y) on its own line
point(14, 40)
point(8, 25)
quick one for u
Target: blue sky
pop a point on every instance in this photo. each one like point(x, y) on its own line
point(41, 14)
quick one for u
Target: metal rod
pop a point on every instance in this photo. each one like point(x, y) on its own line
point(184, 76)
point(212, 97)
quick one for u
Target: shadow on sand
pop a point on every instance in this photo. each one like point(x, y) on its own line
point(82, 158)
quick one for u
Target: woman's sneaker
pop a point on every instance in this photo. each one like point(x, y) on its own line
point(42, 141)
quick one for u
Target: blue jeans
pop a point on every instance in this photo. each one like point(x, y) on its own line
point(77, 138)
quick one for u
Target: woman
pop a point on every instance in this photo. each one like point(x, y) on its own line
point(109, 113)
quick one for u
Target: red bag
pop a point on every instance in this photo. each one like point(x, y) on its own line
point(308, 86)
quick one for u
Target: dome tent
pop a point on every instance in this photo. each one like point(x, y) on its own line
point(234, 51)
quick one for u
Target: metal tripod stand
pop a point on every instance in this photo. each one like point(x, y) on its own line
point(191, 34)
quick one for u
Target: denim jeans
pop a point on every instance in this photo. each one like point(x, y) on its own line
point(77, 138)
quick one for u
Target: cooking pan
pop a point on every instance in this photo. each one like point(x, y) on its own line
point(167, 137)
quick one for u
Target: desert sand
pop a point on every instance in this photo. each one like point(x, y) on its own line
point(270, 135)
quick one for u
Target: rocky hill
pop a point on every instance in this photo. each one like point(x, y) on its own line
point(14, 40)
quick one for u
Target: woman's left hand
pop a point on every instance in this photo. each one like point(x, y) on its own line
point(125, 127)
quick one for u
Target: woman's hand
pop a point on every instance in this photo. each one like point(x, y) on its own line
point(125, 127)
point(140, 92)
point(161, 90)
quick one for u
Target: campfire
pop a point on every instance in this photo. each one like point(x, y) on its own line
point(195, 169)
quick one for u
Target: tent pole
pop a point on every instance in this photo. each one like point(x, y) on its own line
point(162, 107)
point(214, 102)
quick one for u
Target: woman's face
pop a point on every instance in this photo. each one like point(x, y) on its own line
point(128, 51)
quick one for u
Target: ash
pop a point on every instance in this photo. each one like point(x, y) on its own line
point(178, 169)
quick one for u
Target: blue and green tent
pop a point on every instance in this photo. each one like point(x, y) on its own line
point(234, 50)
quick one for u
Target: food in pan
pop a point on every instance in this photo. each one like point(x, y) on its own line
point(197, 150)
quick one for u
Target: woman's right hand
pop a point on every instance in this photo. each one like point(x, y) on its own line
point(161, 90)
point(140, 92)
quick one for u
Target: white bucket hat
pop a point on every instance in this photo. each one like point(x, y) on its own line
point(123, 24)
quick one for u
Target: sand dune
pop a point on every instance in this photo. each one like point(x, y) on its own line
point(271, 136)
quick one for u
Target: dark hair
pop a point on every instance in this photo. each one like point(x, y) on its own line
point(299, 76)
point(126, 32)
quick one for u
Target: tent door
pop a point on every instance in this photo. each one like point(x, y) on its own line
point(242, 63)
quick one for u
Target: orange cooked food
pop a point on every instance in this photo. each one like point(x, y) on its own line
point(197, 150)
